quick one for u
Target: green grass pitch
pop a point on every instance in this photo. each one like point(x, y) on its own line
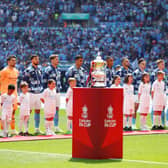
point(148, 151)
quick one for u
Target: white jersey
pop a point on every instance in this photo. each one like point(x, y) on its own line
point(159, 95)
point(7, 105)
point(69, 106)
point(50, 102)
point(24, 100)
point(128, 99)
point(144, 91)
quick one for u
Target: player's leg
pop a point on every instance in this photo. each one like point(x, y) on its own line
point(4, 127)
point(21, 122)
point(160, 126)
point(26, 119)
point(12, 124)
point(135, 113)
point(163, 118)
point(167, 117)
point(8, 122)
point(37, 120)
point(154, 127)
point(152, 116)
point(130, 123)
point(69, 124)
point(49, 125)
point(125, 123)
point(141, 122)
point(37, 106)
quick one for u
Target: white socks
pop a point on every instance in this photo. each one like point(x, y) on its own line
point(48, 125)
point(130, 122)
point(25, 123)
point(157, 118)
point(127, 122)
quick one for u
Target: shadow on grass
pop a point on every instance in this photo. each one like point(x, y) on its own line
point(93, 161)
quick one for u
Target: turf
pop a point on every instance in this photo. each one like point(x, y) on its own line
point(57, 153)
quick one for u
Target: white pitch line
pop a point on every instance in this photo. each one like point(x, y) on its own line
point(38, 153)
point(68, 156)
point(146, 162)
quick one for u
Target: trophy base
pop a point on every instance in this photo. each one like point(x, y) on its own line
point(99, 85)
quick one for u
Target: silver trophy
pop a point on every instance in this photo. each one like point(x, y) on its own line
point(98, 72)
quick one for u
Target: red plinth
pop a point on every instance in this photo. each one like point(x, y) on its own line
point(97, 123)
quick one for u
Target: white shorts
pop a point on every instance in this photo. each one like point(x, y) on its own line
point(136, 98)
point(35, 102)
point(6, 117)
point(22, 117)
point(158, 107)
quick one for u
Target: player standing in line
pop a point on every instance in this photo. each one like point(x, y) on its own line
point(160, 67)
point(51, 102)
point(128, 102)
point(116, 82)
point(124, 70)
point(53, 72)
point(144, 100)
point(34, 77)
point(158, 96)
point(69, 104)
point(9, 75)
point(137, 76)
point(7, 102)
point(78, 72)
point(24, 102)
point(109, 71)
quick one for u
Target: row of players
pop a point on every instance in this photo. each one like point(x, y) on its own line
point(51, 100)
point(37, 80)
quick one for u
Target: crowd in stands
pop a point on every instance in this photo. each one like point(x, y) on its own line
point(121, 28)
point(47, 13)
point(117, 40)
point(141, 11)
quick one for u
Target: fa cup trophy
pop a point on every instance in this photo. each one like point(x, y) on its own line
point(98, 72)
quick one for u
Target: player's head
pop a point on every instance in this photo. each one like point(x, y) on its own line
point(11, 60)
point(109, 61)
point(161, 64)
point(145, 77)
point(160, 75)
point(54, 58)
point(24, 87)
point(11, 89)
point(116, 80)
point(72, 82)
point(35, 60)
point(51, 84)
point(128, 79)
point(78, 61)
point(125, 62)
point(142, 63)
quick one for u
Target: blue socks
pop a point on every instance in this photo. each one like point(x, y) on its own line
point(56, 119)
point(134, 121)
point(163, 117)
point(167, 115)
point(37, 120)
point(152, 113)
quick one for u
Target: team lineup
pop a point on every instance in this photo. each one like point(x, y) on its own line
point(43, 86)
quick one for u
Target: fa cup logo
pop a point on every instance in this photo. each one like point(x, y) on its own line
point(85, 113)
point(110, 112)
